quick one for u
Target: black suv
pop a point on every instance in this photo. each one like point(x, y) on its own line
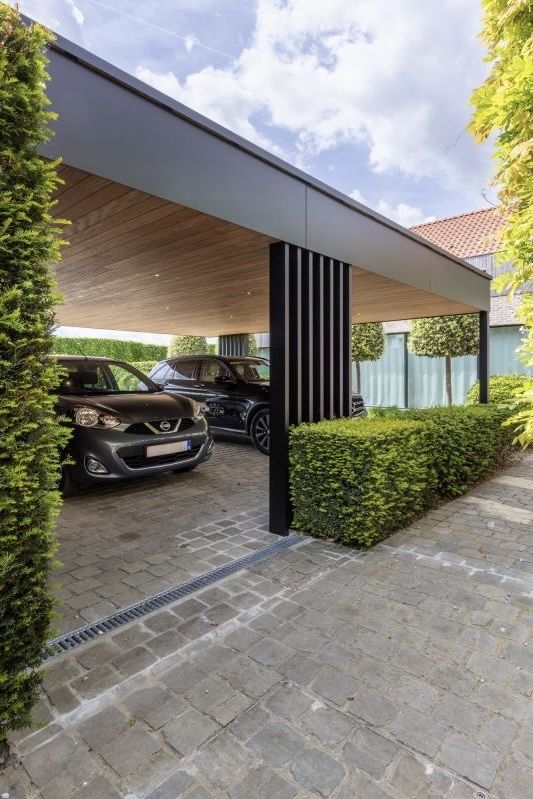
point(234, 389)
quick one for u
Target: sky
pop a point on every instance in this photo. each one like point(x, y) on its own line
point(370, 96)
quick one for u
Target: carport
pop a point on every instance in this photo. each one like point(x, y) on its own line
point(180, 226)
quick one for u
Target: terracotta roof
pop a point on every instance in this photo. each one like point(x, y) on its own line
point(466, 235)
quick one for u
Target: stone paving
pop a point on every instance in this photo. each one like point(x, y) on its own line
point(121, 543)
point(401, 673)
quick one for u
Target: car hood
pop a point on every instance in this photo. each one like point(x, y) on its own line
point(138, 407)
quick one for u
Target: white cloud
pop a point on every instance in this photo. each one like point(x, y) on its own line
point(76, 12)
point(403, 213)
point(395, 77)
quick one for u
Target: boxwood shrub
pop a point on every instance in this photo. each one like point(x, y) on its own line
point(468, 443)
point(501, 389)
point(120, 349)
point(357, 481)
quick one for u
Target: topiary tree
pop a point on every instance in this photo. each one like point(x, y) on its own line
point(30, 434)
point(368, 343)
point(445, 337)
point(187, 345)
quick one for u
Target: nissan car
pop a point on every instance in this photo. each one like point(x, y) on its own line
point(234, 389)
point(124, 425)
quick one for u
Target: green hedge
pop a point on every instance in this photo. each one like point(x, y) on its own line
point(468, 443)
point(30, 433)
point(357, 481)
point(501, 389)
point(130, 351)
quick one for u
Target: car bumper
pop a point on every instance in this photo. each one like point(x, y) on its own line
point(124, 454)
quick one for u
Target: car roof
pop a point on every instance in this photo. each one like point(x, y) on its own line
point(204, 355)
point(98, 358)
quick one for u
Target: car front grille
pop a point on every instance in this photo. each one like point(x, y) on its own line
point(134, 458)
point(154, 428)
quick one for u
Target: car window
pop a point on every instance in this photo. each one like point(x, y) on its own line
point(92, 377)
point(182, 370)
point(211, 371)
point(163, 373)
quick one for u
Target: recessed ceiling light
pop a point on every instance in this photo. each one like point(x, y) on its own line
point(156, 274)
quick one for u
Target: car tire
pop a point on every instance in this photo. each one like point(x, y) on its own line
point(69, 485)
point(260, 431)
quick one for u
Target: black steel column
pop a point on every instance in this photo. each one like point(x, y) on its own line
point(483, 368)
point(310, 355)
point(234, 344)
point(405, 370)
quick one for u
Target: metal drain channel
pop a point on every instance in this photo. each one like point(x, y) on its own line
point(89, 632)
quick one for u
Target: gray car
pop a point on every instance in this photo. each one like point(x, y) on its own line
point(124, 425)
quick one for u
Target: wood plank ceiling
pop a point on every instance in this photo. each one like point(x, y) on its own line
point(137, 262)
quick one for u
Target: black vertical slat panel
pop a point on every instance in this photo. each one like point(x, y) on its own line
point(310, 325)
point(318, 337)
point(346, 335)
point(233, 344)
point(307, 413)
point(338, 345)
point(483, 367)
point(279, 389)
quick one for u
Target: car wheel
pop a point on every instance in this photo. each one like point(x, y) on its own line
point(68, 485)
point(260, 431)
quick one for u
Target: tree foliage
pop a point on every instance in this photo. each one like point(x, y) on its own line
point(30, 434)
point(445, 337)
point(187, 345)
point(503, 106)
point(368, 343)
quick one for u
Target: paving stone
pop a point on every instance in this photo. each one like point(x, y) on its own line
point(209, 693)
point(189, 730)
point(500, 700)
point(249, 722)
point(99, 787)
point(373, 707)
point(328, 725)
point(62, 699)
point(135, 660)
point(183, 677)
point(317, 771)
point(172, 787)
point(300, 669)
point(263, 783)
point(514, 781)
point(166, 643)
point(289, 702)
point(415, 692)
point(101, 728)
point(470, 760)
point(223, 761)
point(126, 752)
point(96, 680)
point(415, 778)
point(161, 621)
point(98, 653)
point(277, 743)
point(421, 733)
point(369, 751)
point(358, 785)
point(58, 757)
point(269, 652)
point(338, 688)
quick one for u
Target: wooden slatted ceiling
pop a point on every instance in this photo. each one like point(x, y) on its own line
point(136, 262)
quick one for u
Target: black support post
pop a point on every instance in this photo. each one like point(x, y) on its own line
point(310, 355)
point(234, 344)
point(483, 357)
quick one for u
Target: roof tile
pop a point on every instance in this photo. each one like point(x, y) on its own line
point(466, 235)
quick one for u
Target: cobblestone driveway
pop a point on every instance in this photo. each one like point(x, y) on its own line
point(123, 543)
point(403, 673)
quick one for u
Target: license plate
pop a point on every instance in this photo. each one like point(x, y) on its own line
point(167, 449)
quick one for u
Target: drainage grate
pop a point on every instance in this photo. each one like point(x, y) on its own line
point(90, 632)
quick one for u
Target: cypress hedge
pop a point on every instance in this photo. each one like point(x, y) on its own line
point(130, 351)
point(30, 434)
point(359, 480)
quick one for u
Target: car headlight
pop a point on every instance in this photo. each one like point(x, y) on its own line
point(89, 417)
point(198, 409)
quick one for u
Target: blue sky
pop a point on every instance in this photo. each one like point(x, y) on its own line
point(370, 96)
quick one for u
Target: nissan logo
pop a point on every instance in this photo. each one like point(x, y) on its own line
point(164, 426)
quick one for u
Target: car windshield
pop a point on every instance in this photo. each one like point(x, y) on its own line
point(251, 370)
point(102, 377)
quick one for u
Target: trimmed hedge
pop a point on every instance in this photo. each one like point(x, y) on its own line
point(468, 444)
point(30, 433)
point(501, 389)
point(186, 345)
point(359, 480)
point(130, 351)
